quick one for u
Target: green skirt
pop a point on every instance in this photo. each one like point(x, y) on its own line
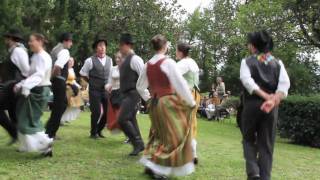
point(30, 109)
point(169, 150)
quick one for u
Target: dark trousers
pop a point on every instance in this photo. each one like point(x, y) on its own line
point(59, 105)
point(258, 131)
point(8, 124)
point(127, 116)
point(98, 100)
point(8, 102)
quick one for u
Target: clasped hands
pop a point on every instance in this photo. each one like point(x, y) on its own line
point(271, 101)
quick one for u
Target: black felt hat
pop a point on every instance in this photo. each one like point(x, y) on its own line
point(126, 38)
point(98, 39)
point(14, 34)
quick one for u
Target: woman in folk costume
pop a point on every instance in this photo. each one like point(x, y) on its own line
point(73, 96)
point(169, 151)
point(190, 71)
point(113, 87)
point(33, 99)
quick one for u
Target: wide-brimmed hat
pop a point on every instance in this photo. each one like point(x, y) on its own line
point(98, 39)
point(126, 38)
point(14, 34)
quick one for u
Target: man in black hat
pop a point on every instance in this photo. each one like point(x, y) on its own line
point(96, 71)
point(60, 57)
point(14, 70)
point(130, 71)
point(266, 83)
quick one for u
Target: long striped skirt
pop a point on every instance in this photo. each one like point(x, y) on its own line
point(169, 150)
point(29, 112)
point(196, 96)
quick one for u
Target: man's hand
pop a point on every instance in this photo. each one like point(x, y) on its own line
point(268, 105)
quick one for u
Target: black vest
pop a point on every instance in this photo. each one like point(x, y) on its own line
point(128, 77)
point(54, 55)
point(99, 74)
point(10, 72)
point(266, 76)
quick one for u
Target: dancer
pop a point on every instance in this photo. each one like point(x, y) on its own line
point(60, 56)
point(96, 71)
point(169, 150)
point(267, 83)
point(190, 71)
point(73, 96)
point(34, 92)
point(130, 71)
point(114, 102)
point(221, 88)
point(14, 70)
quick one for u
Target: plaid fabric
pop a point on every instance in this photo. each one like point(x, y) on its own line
point(197, 97)
point(170, 133)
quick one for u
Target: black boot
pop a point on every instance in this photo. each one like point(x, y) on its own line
point(135, 138)
point(138, 146)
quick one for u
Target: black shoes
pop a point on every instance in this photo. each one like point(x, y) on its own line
point(127, 141)
point(152, 175)
point(94, 136)
point(138, 147)
point(195, 161)
point(254, 177)
point(101, 135)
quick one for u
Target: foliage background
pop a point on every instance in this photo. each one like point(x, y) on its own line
point(217, 33)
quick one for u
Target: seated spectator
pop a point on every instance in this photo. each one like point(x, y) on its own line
point(211, 106)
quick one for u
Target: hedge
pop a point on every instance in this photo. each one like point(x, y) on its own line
point(299, 120)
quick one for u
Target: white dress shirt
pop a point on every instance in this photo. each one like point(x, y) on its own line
point(186, 65)
point(39, 74)
point(62, 58)
point(88, 65)
point(250, 85)
point(114, 78)
point(168, 67)
point(20, 58)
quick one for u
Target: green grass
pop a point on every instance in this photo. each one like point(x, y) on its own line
point(78, 157)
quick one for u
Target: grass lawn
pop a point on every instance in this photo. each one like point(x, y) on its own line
point(78, 157)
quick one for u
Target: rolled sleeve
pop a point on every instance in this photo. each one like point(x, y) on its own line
point(284, 81)
point(63, 58)
point(86, 67)
point(246, 79)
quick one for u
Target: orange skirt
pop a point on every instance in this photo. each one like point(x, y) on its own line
point(112, 117)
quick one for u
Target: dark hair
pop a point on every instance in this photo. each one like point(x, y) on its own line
point(40, 37)
point(261, 40)
point(158, 42)
point(66, 36)
point(184, 48)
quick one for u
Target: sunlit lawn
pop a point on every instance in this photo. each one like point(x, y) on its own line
point(78, 157)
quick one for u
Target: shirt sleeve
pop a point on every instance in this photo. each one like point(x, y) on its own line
point(137, 64)
point(169, 67)
point(183, 66)
point(284, 81)
point(86, 67)
point(246, 79)
point(36, 78)
point(63, 58)
point(143, 84)
point(109, 84)
point(21, 59)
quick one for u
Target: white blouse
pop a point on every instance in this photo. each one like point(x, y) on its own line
point(40, 71)
point(168, 67)
point(114, 78)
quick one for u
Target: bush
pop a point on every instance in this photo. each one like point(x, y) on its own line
point(232, 102)
point(299, 120)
